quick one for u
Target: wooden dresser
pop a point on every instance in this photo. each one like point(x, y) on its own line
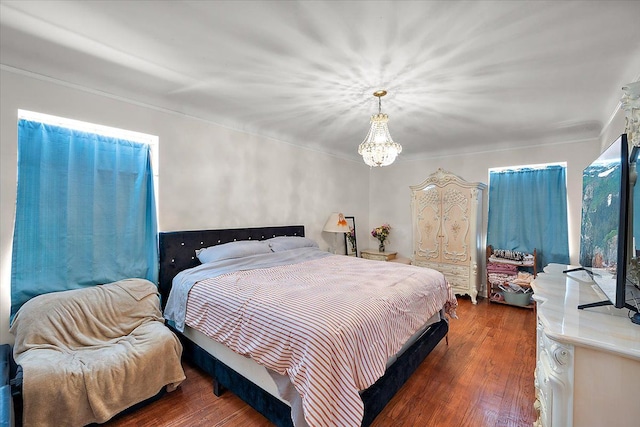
point(447, 230)
point(587, 361)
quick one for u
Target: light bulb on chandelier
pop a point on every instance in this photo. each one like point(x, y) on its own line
point(378, 148)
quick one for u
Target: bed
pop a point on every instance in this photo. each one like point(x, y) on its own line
point(266, 390)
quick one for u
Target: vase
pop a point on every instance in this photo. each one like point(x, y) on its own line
point(381, 247)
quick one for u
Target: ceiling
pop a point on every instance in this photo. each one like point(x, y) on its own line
point(461, 76)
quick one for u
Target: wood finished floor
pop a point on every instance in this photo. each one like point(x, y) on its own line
point(484, 377)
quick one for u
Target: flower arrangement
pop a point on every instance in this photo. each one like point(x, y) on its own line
point(381, 233)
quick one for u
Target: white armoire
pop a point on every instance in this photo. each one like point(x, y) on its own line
point(448, 231)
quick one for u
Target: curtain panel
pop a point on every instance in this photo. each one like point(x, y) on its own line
point(527, 210)
point(85, 212)
point(636, 218)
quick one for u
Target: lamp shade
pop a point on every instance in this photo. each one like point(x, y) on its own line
point(336, 224)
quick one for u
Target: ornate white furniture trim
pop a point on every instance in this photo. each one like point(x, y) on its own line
point(630, 103)
point(447, 229)
point(587, 361)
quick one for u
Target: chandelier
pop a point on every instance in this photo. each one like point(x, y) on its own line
point(378, 149)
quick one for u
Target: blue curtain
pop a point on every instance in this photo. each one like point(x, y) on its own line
point(85, 212)
point(636, 216)
point(527, 210)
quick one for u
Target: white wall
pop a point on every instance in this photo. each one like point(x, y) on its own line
point(210, 176)
point(389, 191)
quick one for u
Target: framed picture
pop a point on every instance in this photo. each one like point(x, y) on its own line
point(350, 242)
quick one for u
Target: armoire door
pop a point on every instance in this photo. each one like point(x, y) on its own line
point(456, 204)
point(428, 214)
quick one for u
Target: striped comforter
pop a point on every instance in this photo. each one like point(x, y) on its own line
point(329, 324)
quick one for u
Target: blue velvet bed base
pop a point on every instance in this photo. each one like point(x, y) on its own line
point(375, 398)
point(273, 409)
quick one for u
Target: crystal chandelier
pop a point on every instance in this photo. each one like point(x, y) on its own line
point(378, 149)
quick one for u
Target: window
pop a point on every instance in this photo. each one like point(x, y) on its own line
point(528, 209)
point(85, 208)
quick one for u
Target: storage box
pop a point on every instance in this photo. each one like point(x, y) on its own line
point(517, 298)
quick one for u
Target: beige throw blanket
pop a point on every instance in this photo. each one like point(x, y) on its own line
point(90, 353)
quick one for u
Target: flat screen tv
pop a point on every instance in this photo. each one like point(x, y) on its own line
point(605, 231)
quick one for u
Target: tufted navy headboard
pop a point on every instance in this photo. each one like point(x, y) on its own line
point(177, 248)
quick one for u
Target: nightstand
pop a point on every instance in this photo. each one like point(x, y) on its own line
point(378, 256)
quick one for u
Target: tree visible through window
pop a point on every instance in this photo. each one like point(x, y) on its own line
point(85, 211)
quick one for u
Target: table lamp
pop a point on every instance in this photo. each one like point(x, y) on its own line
point(336, 224)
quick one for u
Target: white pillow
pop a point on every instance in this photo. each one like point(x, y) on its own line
point(285, 243)
point(232, 250)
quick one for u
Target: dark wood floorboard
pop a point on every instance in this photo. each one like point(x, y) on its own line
point(484, 377)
